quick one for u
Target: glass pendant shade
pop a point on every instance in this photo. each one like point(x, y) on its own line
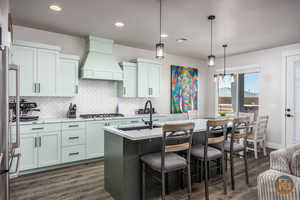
point(211, 60)
point(160, 50)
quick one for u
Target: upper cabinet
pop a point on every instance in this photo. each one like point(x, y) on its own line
point(47, 63)
point(148, 78)
point(25, 58)
point(43, 70)
point(67, 76)
point(128, 87)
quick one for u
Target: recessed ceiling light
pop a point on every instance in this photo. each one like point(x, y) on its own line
point(164, 35)
point(180, 40)
point(119, 24)
point(56, 8)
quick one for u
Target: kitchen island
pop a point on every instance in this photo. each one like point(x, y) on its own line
point(123, 148)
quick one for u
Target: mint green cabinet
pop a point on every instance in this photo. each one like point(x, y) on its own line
point(148, 79)
point(128, 87)
point(67, 76)
point(38, 64)
point(49, 151)
point(47, 62)
point(40, 145)
point(25, 58)
point(95, 139)
point(29, 152)
point(154, 80)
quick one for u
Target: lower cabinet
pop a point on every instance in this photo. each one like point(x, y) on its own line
point(95, 139)
point(73, 153)
point(40, 150)
point(49, 149)
point(29, 152)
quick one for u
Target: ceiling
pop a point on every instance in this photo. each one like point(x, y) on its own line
point(246, 25)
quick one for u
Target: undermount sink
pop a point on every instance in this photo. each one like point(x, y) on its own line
point(134, 128)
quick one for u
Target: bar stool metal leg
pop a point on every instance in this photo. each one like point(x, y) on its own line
point(206, 179)
point(232, 172)
point(163, 189)
point(224, 173)
point(143, 181)
point(189, 181)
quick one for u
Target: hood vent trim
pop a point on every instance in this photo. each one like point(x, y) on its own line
point(99, 63)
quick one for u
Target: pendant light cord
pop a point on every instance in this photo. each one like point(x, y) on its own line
point(211, 36)
point(160, 24)
point(224, 59)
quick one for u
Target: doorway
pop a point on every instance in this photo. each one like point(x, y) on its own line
point(292, 99)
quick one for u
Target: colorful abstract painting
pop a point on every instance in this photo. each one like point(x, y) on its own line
point(184, 89)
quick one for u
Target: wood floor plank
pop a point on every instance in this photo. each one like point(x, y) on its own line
point(86, 181)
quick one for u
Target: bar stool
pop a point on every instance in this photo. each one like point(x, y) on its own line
point(215, 134)
point(176, 138)
point(232, 146)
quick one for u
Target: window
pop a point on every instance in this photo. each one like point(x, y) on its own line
point(226, 95)
point(249, 92)
point(242, 95)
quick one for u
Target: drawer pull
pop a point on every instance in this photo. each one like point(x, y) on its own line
point(74, 154)
point(134, 121)
point(73, 126)
point(38, 128)
point(73, 138)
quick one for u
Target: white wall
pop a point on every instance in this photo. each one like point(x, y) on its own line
point(270, 62)
point(101, 96)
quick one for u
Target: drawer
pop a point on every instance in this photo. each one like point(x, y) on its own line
point(73, 153)
point(36, 128)
point(73, 137)
point(73, 125)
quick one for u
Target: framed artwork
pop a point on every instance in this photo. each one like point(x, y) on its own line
point(184, 89)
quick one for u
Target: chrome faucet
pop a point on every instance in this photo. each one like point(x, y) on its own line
point(150, 123)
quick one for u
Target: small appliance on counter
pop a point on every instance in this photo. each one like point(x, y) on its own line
point(144, 111)
point(26, 110)
point(72, 111)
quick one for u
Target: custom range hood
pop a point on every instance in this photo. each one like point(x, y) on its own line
point(99, 63)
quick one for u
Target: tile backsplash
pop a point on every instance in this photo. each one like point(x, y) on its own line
point(94, 97)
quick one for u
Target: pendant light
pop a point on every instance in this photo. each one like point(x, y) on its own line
point(160, 46)
point(222, 76)
point(211, 57)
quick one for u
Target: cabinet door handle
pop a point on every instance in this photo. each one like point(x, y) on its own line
point(73, 126)
point(149, 92)
point(124, 90)
point(34, 88)
point(38, 128)
point(74, 154)
point(76, 89)
point(35, 142)
point(40, 141)
point(73, 138)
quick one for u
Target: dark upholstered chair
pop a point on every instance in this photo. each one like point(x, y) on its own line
point(176, 138)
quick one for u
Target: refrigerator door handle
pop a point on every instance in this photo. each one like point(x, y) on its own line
point(17, 70)
point(14, 174)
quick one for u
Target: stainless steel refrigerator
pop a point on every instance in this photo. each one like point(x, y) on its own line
point(9, 141)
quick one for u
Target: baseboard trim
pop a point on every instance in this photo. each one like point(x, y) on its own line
point(273, 145)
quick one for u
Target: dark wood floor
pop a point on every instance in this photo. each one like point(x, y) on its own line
point(86, 181)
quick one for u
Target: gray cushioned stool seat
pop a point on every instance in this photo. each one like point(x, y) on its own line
point(173, 161)
point(236, 147)
point(212, 153)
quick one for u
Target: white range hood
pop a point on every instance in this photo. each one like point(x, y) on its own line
point(99, 63)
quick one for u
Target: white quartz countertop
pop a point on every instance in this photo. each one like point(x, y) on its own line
point(78, 119)
point(142, 134)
